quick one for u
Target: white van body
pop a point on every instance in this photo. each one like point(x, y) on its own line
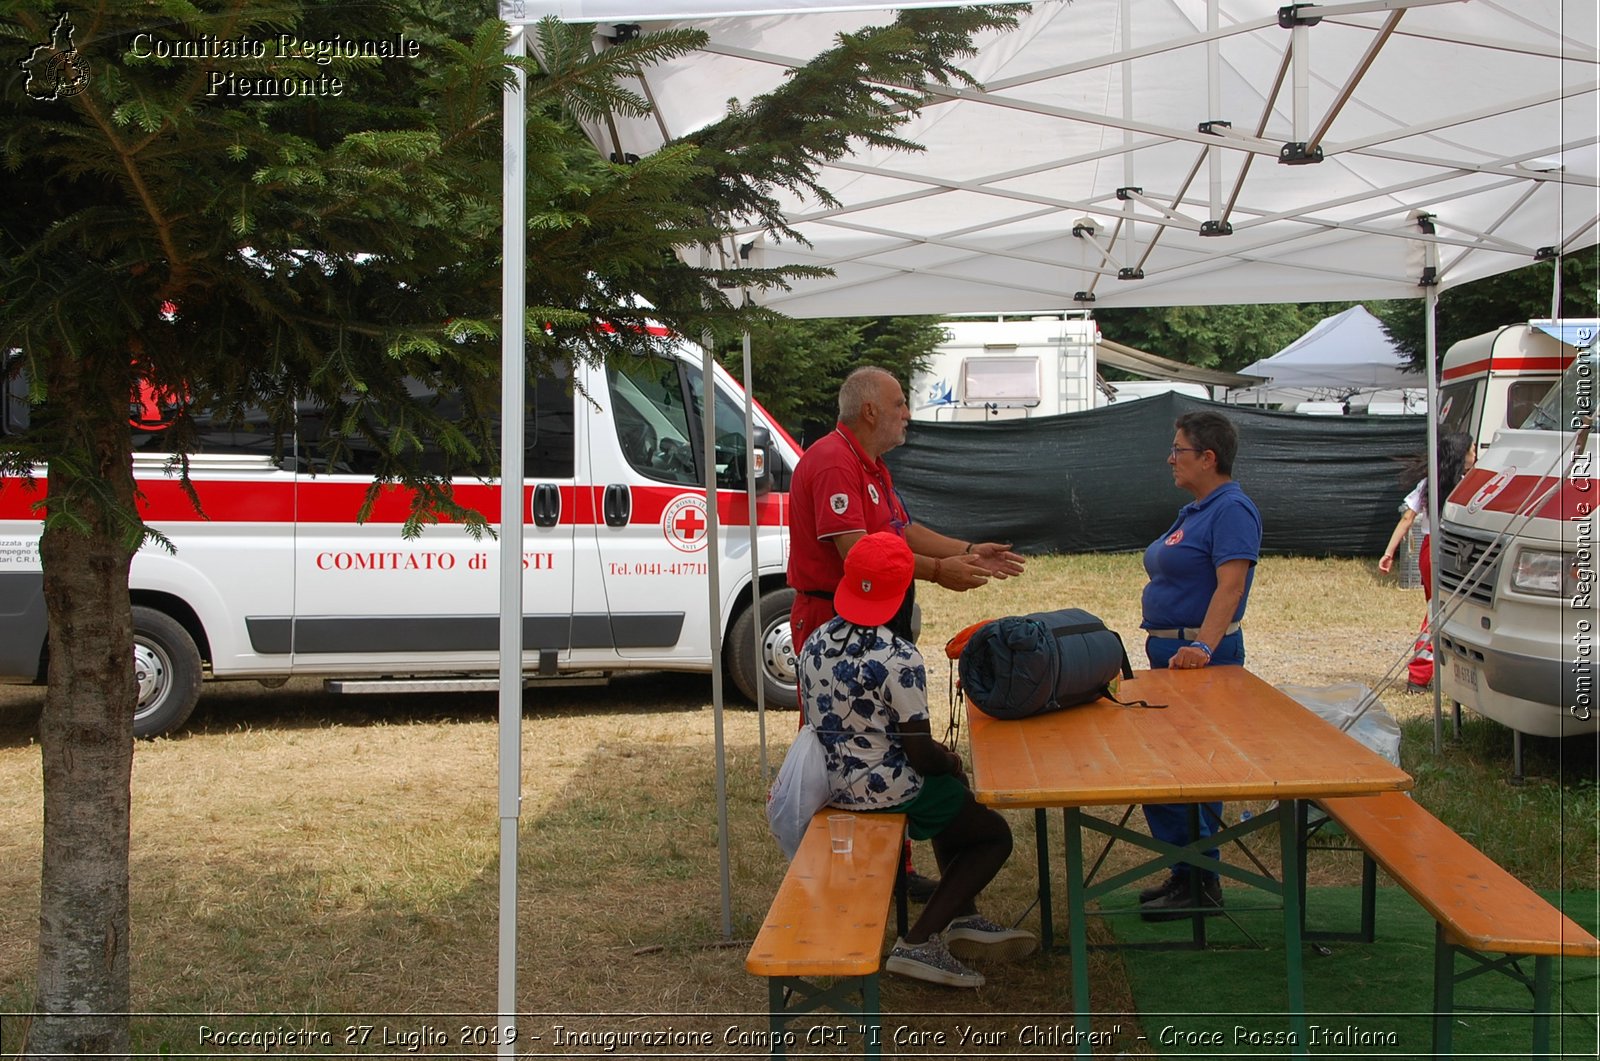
point(279, 579)
point(1123, 391)
point(1320, 408)
point(1515, 557)
point(1008, 368)
point(1490, 382)
point(1403, 401)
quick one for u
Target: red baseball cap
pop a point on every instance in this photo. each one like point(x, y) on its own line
point(877, 571)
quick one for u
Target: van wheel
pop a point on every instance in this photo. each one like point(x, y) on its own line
point(166, 666)
point(774, 663)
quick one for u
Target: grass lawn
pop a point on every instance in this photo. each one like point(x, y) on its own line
point(299, 853)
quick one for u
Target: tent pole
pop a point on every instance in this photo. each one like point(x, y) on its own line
point(513, 388)
point(1214, 105)
point(1130, 251)
point(1430, 341)
point(708, 425)
point(1300, 41)
point(755, 558)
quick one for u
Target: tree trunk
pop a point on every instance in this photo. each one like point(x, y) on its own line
point(86, 732)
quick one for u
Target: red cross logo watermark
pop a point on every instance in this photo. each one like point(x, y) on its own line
point(684, 523)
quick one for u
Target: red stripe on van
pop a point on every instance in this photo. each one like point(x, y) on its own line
point(1508, 364)
point(17, 499)
point(1575, 499)
point(332, 501)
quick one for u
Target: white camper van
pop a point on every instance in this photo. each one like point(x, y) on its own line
point(1491, 382)
point(279, 579)
point(1515, 554)
point(1008, 368)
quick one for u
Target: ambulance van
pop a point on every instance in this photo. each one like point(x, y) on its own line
point(1515, 555)
point(278, 578)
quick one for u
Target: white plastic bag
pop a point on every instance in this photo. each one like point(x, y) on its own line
point(799, 791)
point(1354, 708)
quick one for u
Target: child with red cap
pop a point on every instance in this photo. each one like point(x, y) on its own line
point(865, 691)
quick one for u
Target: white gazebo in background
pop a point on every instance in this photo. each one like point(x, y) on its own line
point(1342, 356)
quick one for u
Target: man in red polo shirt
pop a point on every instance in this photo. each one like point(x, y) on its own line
point(842, 491)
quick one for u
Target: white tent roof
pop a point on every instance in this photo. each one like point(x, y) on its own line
point(1342, 354)
point(1481, 113)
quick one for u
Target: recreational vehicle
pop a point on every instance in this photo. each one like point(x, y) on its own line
point(1491, 382)
point(1008, 368)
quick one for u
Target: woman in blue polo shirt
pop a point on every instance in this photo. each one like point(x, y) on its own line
point(1200, 574)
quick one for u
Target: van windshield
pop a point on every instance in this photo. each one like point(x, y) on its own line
point(1570, 402)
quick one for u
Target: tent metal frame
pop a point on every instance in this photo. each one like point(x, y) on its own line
point(1156, 251)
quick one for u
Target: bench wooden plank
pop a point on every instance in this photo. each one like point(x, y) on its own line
point(1479, 904)
point(830, 912)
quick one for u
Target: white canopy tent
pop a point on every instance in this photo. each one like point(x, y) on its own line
point(1342, 355)
point(1129, 153)
point(1114, 138)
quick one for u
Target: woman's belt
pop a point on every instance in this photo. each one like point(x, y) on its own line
point(1189, 633)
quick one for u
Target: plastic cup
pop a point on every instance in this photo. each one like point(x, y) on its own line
point(842, 833)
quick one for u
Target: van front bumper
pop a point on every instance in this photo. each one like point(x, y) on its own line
point(1532, 694)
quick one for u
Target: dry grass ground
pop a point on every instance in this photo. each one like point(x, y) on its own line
point(295, 852)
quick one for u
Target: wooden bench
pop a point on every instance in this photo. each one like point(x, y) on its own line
point(828, 920)
point(1481, 909)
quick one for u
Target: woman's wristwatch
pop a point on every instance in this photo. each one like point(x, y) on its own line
point(1202, 646)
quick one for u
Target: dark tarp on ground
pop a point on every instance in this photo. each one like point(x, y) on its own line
point(1098, 481)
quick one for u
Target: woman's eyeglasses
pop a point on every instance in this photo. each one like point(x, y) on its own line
point(1185, 449)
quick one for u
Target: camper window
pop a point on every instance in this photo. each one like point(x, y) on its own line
point(1522, 398)
point(1458, 404)
point(1001, 380)
point(1569, 401)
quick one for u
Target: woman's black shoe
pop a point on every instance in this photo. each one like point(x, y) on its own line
point(919, 889)
point(1177, 904)
point(1168, 883)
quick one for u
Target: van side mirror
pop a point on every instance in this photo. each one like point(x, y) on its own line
point(760, 460)
point(741, 470)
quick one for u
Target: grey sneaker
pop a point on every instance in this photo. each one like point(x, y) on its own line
point(930, 961)
point(975, 936)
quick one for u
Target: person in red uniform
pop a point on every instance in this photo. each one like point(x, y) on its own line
point(842, 491)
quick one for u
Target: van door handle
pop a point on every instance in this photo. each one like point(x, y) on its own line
point(617, 505)
point(546, 505)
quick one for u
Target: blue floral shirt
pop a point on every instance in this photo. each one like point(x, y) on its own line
point(859, 685)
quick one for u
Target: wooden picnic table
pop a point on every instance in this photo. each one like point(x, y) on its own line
point(1224, 734)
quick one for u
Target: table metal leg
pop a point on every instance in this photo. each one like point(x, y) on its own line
point(1289, 845)
point(1041, 839)
point(1444, 986)
point(1542, 1005)
point(1077, 930)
